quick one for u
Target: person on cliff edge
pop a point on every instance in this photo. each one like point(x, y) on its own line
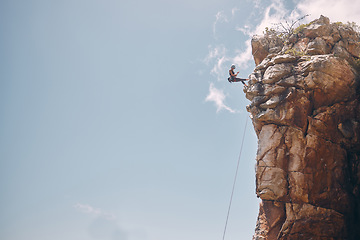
point(233, 76)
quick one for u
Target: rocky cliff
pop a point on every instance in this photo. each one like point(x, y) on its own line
point(305, 109)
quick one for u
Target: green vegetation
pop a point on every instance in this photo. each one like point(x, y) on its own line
point(270, 31)
point(295, 52)
point(300, 28)
point(285, 29)
point(288, 28)
point(352, 25)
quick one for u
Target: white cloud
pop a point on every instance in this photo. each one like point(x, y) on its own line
point(336, 10)
point(273, 14)
point(88, 209)
point(242, 59)
point(218, 97)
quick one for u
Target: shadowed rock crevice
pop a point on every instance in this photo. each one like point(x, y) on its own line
point(305, 109)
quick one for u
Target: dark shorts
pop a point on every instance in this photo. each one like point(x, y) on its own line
point(233, 79)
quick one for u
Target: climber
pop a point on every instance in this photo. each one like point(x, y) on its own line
point(233, 76)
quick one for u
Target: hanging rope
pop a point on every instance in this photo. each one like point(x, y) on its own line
point(236, 173)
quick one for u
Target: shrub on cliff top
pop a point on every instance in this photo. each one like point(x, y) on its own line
point(286, 29)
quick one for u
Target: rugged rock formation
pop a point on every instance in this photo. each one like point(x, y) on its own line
point(305, 109)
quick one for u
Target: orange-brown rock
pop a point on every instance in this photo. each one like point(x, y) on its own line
point(305, 109)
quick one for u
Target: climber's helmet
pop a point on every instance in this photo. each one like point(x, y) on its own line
point(233, 66)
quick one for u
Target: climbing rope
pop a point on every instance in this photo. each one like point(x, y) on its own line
point(236, 173)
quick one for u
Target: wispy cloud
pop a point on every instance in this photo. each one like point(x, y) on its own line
point(246, 29)
point(336, 10)
point(215, 53)
point(217, 56)
point(257, 3)
point(218, 69)
point(218, 97)
point(234, 10)
point(220, 17)
point(88, 209)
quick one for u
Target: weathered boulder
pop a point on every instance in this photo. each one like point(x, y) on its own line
point(305, 221)
point(318, 27)
point(276, 72)
point(318, 46)
point(305, 110)
point(261, 46)
point(330, 78)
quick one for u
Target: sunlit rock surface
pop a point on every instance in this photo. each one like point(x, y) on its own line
point(305, 109)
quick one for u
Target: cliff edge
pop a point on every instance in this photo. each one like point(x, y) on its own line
point(305, 109)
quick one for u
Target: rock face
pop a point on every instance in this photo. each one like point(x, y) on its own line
point(305, 109)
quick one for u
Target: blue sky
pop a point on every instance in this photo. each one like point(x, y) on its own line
point(117, 121)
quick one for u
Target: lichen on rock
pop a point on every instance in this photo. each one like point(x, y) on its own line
point(305, 109)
